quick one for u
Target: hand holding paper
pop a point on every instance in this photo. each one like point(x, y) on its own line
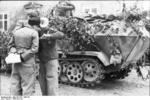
point(13, 58)
point(45, 36)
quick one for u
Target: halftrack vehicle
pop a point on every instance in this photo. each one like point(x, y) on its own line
point(112, 54)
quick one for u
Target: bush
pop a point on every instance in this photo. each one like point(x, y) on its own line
point(4, 40)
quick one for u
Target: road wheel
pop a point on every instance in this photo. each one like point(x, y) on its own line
point(92, 70)
point(75, 72)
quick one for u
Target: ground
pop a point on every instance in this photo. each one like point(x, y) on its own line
point(130, 86)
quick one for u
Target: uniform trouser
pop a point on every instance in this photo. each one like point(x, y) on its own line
point(23, 79)
point(0, 63)
point(48, 78)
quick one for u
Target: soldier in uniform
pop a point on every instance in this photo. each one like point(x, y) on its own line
point(25, 41)
point(48, 73)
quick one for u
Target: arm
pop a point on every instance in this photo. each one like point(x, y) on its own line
point(34, 47)
point(11, 45)
point(35, 43)
point(56, 35)
point(52, 34)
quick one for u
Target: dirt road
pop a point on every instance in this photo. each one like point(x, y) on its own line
point(130, 86)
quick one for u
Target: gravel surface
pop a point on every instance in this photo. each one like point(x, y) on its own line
point(130, 86)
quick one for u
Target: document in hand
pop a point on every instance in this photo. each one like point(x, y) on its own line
point(13, 58)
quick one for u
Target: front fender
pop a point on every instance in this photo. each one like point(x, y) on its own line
point(100, 55)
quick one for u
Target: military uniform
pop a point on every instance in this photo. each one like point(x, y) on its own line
point(26, 42)
point(48, 73)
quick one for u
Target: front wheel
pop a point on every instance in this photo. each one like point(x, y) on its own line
point(92, 70)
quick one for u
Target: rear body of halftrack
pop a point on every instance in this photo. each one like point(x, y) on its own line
point(113, 59)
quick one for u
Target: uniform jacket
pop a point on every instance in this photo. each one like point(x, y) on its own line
point(47, 49)
point(26, 42)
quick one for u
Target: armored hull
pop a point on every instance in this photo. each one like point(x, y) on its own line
point(112, 59)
